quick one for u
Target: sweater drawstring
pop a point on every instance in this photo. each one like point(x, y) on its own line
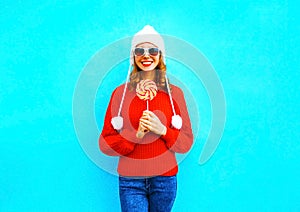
point(117, 121)
point(176, 119)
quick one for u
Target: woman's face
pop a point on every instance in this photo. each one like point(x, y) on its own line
point(147, 61)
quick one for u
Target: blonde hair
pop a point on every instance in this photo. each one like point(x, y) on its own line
point(160, 73)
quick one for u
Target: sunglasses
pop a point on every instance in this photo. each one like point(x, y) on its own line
point(142, 51)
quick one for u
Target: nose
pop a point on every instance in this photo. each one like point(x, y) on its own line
point(146, 55)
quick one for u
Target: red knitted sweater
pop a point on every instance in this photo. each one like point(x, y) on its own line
point(153, 155)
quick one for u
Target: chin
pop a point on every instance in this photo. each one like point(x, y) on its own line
point(150, 68)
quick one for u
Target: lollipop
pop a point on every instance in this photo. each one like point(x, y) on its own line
point(146, 90)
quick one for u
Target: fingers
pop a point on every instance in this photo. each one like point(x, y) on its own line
point(145, 115)
point(149, 119)
point(145, 122)
point(148, 113)
point(151, 122)
point(144, 127)
point(149, 116)
point(142, 130)
point(147, 125)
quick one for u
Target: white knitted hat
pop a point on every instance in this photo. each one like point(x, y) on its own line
point(147, 35)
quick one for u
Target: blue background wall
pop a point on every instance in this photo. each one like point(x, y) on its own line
point(254, 48)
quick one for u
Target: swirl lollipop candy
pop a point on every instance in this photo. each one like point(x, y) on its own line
point(146, 90)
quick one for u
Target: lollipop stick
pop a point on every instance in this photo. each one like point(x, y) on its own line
point(147, 105)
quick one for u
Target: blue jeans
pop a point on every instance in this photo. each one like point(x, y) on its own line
point(152, 194)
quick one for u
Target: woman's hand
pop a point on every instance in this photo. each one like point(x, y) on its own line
point(152, 123)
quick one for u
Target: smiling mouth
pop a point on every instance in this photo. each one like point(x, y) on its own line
point(146, 63)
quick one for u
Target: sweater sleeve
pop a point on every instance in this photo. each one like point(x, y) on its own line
point(111, 141)
point(179, 140)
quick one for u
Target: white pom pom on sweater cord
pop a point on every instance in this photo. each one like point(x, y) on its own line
point(176, 122)
point(117, 122)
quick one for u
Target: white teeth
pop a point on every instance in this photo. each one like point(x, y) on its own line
point(146, 63)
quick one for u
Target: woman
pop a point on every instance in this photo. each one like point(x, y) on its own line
point(146, 123)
